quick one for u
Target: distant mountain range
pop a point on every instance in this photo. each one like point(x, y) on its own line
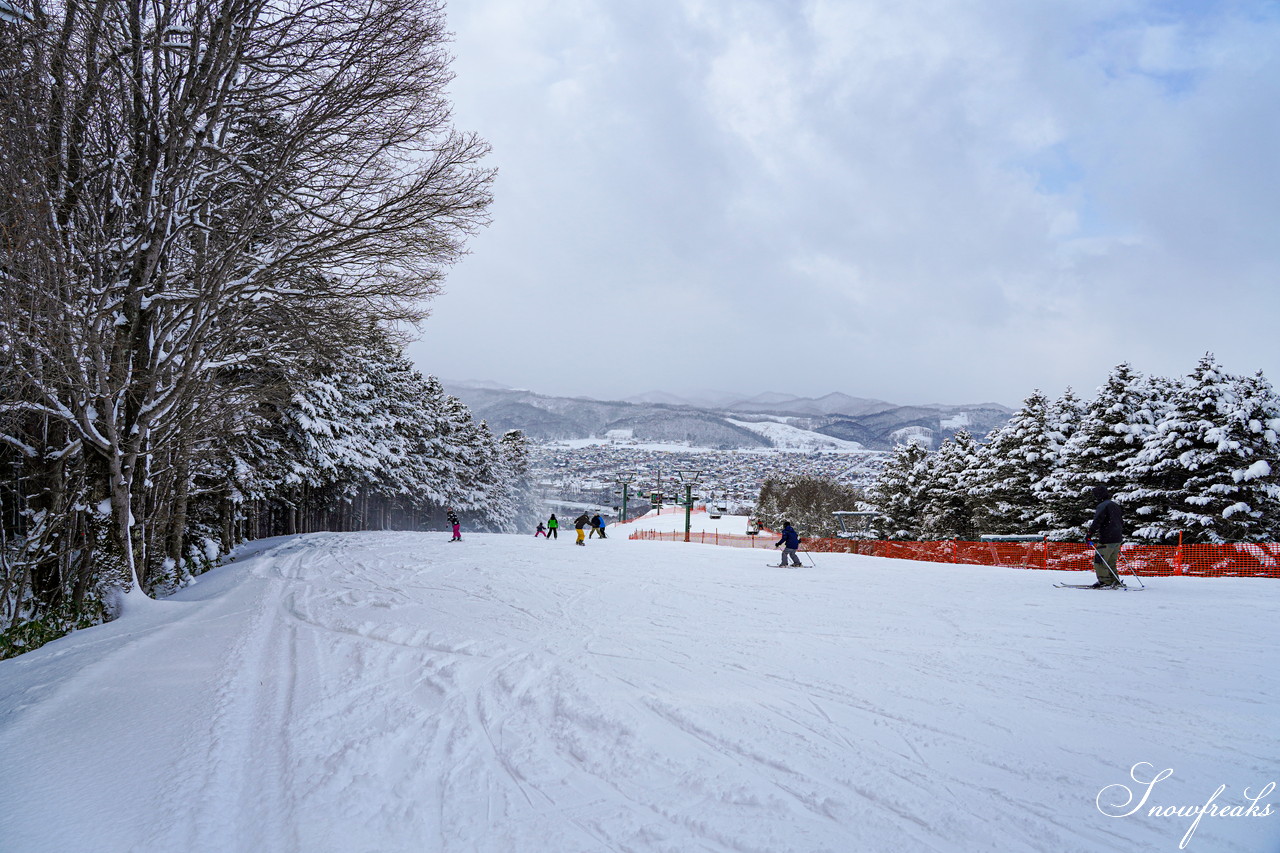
point(727, 421)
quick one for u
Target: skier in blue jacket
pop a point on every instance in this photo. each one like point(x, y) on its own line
point(791, 540)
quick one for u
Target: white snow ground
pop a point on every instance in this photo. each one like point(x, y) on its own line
point(396, 692)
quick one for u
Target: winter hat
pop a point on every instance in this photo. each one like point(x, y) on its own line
point(1101, 493)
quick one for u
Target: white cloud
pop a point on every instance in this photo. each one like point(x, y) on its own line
point(908, 201)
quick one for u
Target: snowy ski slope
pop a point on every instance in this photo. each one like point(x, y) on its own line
point(396, 692)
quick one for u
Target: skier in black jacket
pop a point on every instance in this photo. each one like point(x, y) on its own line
point(453, 520)
point(1106, 533)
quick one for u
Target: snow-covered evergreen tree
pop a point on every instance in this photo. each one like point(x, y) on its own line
point(899, 493)
point(1207, 469)
point(495, 479)
point(514, 449)
point(1017, 457)
point(1257, 425)
point(1065, 415)
point(947, 511)
point(1108, 435)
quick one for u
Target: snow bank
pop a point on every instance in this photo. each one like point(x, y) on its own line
point(397, 692)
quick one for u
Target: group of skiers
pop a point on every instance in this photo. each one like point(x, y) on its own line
point(1105, 536)
point(551, 529)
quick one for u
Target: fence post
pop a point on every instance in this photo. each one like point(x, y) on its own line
point(1044, 558)
point(1177, 560)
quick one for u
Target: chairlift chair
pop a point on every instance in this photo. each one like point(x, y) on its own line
point(853, 525)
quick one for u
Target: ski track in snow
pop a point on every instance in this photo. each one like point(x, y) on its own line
point(396, 692)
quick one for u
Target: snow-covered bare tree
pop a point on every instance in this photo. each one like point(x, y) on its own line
point(181, 168)
point(807, 502)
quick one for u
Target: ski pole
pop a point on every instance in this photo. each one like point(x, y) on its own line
point(1114, 572)
point(1120, 558)
point(812, 565)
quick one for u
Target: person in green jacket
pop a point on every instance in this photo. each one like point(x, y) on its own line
point(553, 527)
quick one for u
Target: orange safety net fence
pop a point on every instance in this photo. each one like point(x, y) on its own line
point(1228, 560)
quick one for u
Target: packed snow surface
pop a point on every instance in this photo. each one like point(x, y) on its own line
point(398, 692)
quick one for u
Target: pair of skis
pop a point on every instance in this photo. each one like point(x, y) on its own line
point(1118, 585)
point(1121, 587)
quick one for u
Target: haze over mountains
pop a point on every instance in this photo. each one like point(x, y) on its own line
point(724, 420)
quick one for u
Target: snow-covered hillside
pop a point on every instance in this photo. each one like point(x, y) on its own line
point(397, 692)
point(787, 437)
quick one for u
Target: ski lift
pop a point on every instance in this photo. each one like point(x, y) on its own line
point(753, 526)
point(853, 525)
point(715, 508)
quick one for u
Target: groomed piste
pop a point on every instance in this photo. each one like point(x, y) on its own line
point(397, 692)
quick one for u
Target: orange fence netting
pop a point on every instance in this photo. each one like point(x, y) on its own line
point(1228, 560)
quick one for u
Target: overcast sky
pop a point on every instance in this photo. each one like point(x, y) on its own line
point(913, 200)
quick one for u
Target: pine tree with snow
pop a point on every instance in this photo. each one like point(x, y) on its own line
point(1207, 468)
point(947, 510)
point(513, 447)
point(1017, 457)
point(1257, 426)
point(899, 493)
point(497, 481)
point(1108, 434)
point(1065, 415)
